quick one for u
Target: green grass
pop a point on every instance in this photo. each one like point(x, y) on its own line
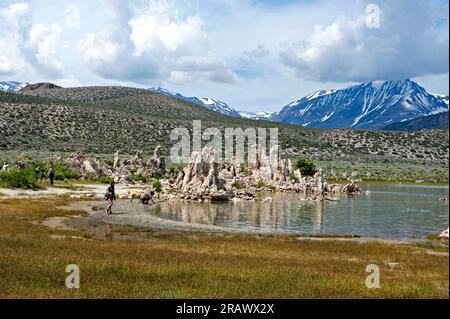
point(172, 265)
point(433, 247)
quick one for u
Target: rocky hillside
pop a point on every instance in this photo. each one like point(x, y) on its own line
point(105, 119)
point(436, 121)
point(37, 86)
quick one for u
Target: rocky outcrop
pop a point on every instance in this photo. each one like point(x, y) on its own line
point(36, 86)
point(204, 178)
point(444, 234)
point(265, 167)
point(87, 168)
point(121, 171)
point(201, 174)
point(116, 159)
point(157, 162)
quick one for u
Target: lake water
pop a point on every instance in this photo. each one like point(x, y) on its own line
point(405, 212)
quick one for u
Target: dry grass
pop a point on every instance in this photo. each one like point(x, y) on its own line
point(32, 265)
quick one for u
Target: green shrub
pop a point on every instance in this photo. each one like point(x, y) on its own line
point(62, 172)
point(109, 162)
point(238, 185)
point(157, 174)
point(140, 178)
point(105, 179)
point(90, 177)
point(305, 166)
point(246, 169)
point(157, 186)
point(173, 168)
point(294, 178)
point(15, 178)
point(260, 184)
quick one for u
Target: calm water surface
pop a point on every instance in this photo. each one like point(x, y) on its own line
point(387, 211)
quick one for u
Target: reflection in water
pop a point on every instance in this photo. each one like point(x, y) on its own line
point(318, 217)
point(385, 211)
point(109, 234)
point(271, 215)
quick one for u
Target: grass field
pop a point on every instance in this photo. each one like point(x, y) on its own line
point(32, 263)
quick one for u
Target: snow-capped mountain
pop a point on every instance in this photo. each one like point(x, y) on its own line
point(371, 105)
point(442, 97)
point(11, 86)
point(256, 116)
point(207, 102)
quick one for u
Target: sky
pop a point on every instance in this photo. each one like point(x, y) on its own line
point(256, 55)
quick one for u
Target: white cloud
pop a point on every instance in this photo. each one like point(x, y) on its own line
point(44, 42)
point(98, 49)
point(149, 32)
point(407, 44)
point(154, 43)
point(26, 48)
point(194, 47)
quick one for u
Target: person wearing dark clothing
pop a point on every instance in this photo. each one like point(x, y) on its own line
point(110, 196)
point(51, 174)
point(146, 197)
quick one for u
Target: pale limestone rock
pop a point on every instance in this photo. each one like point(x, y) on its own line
point(157, 162)
point(201, 174)
point(116, 159)
point(444, 234)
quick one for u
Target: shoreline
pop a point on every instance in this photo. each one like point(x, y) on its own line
point(147, 222)
point(87, 198)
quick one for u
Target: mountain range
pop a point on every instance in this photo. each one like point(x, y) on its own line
point(209, 103)
point(435, 121)
point(102, 120)
point(372, 105)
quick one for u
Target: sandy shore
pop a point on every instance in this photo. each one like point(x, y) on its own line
point(83, 190)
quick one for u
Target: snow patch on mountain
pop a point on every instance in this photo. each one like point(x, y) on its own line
point(442, 97)
point(256, 115)
point(11, 86)
point(207, 102)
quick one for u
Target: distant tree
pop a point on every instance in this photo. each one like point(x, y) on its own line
point(306, 167)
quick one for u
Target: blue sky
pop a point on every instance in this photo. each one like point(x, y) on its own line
point(253, 54)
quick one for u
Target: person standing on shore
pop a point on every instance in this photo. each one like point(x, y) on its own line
point(51, 174)
point(110, 196)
